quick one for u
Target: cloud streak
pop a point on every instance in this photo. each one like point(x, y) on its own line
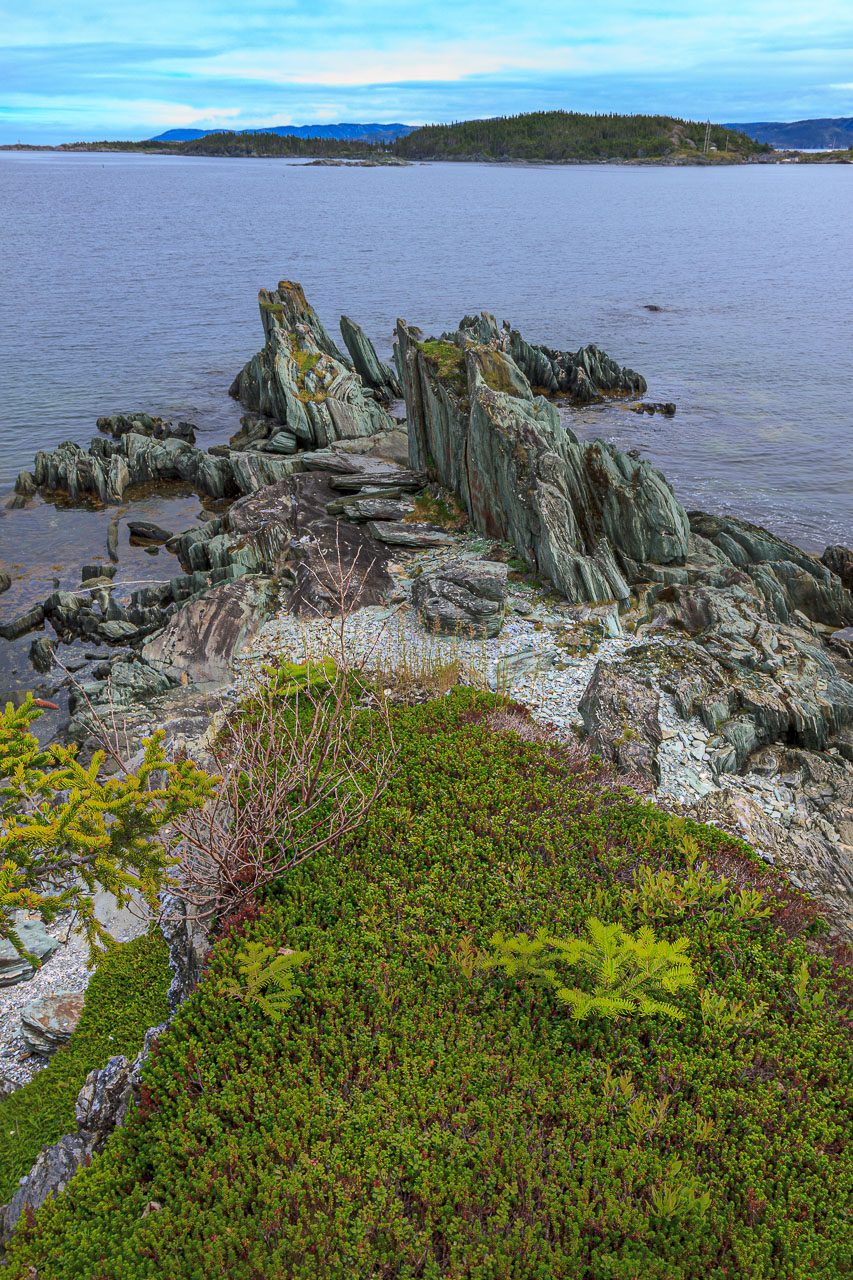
point(108, 70)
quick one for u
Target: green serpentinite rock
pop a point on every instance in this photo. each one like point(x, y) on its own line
point(586, 516)
point(373, 373)
point(583, 376)
point(301, 380)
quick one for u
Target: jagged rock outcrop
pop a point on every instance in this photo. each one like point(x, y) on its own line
point(101, 1107)
point(464, 598)
point(374, 374)
point(789, 579)
point(753, 680)
point(302, 381)
point(840, 561)
point(143, 424)
point(584, 375)
point(587, 516)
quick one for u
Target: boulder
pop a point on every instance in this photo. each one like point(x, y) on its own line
point(397, 534)
point(374, 508)
point(36, 940)
point(620, 716)
point(464, 597)
point(48, 1023)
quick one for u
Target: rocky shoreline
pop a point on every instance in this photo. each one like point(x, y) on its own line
point(481, 542)
point(701, 653)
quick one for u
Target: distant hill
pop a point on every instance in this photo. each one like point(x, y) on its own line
point(354, 132)
point(810, 135)
point(568, 135)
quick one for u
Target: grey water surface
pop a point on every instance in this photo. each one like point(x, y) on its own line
point(129, 282)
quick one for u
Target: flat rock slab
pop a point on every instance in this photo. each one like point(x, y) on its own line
point(408, 535)
point(36, 939)
point(204, 637)
point(48, 1023)
point(377, 509)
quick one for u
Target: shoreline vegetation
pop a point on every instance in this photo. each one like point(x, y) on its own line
point(541, 137)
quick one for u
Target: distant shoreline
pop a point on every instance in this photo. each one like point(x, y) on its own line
point(666, 162)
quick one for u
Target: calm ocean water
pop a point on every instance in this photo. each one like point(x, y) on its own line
point(129, 282)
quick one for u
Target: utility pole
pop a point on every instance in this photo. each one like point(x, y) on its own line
point(707, 138)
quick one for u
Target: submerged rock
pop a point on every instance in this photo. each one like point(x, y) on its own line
point(464, 598)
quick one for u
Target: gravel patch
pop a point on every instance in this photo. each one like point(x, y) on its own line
point(66, 970)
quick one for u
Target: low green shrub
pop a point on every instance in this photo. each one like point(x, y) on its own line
point(411, 1114)
point(126, 995)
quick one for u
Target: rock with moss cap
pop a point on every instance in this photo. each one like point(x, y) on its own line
point(302, 382)
point(588, 517)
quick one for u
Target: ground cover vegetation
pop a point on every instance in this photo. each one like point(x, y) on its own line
point(126, 995)
point(410, 1095)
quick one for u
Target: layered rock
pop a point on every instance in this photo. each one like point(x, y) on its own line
point(203, 638)
point(36, 940)
point(110, 467)
point(789, 579)
point(463, 598)
point(586, 516)
point(302, 381)
point(583, 376)
point(48, 1023)
point(620, 715)
point(379, 377)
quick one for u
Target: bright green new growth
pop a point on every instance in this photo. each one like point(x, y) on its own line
point(65, 832)
point(290, 678)
point(261, 968)
point(628, 974)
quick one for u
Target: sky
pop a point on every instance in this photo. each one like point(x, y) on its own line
point(92, 69)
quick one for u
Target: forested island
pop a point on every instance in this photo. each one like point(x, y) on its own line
point(558, 137)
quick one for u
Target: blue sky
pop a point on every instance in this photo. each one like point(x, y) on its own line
point(72, 69)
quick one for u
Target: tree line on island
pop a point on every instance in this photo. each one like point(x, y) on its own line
point(553, 136)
